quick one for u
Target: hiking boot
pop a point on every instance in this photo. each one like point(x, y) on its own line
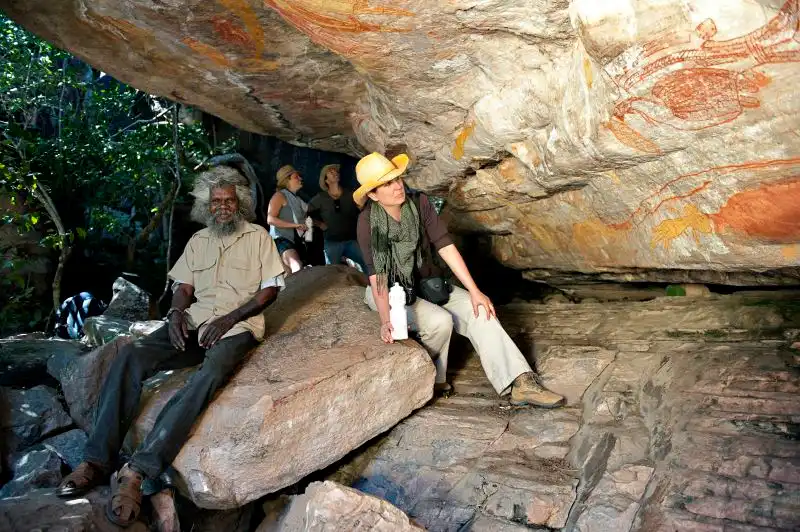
point(526, 390)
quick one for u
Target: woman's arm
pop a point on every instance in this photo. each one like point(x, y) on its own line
point(275, 204)
point(382, 303)
point(455, 261)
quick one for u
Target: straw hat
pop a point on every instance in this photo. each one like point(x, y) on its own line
point(324, 173)
point(374, 170)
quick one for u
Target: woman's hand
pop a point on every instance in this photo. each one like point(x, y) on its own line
point(479, 299)
point(386, 332)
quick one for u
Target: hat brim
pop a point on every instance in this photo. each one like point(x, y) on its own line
point(400, 161)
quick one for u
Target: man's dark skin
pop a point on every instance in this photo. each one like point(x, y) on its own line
point(223, 204)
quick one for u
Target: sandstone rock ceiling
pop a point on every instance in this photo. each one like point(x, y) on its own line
point(582, 135)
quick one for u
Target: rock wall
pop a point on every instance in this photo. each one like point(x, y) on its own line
point(582, 136)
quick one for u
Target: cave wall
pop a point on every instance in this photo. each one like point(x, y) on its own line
point(578, 136)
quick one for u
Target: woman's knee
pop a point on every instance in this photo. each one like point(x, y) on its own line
point(437, 323)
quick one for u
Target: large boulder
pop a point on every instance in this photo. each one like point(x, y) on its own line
point(28, 416)
point(331, 506)
point(82, 380)
point(24, 361)
point(581, 136)
point(321, 385)
point(129, 302)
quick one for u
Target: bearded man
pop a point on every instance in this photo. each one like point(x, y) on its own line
point(234, 271)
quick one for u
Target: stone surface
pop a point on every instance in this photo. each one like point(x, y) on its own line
point(37, 467)
point(462, 458)
point(328, 506)
point(570, 370)
point(321, 385)
point(28, 416)
point(81, 381)
point(659, 129)
point(42, 510)
point(100, 330)
point(689, 423)
point(23, 362)
point(143, 328)
point(129, 302)
point(156, 392)
point(69, 446)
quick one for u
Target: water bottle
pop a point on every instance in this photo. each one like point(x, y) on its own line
point(397, 312)
point(309, 229)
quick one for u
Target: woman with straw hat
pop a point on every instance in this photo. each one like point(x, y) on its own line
point(400, 235)
point(335, 206)
point(286, 217)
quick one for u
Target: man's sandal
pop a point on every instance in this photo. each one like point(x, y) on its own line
point(81, 481)
point(126, 497)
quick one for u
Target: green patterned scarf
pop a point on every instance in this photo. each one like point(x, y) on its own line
point(395, 246)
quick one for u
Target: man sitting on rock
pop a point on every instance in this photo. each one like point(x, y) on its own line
point(234, 271)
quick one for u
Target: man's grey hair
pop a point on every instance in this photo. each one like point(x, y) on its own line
point(219, 177)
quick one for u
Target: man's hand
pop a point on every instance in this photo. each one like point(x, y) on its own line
point(386, 332)
point(178, 330)
point(479, 299)
point(216, 330)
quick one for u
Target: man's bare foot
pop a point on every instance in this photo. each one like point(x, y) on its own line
point(165, 514)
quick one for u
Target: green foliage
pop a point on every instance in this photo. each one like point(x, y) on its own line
point(103, 151)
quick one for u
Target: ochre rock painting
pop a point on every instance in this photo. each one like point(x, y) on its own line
point(336, 24)
point(689, 89)
point(768, 214)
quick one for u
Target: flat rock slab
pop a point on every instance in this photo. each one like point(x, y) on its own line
point(328, 506)
point(42, 510)
point(464, 459)
point(321, 385)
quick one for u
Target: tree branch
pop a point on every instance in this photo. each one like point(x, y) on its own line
point(178, 151)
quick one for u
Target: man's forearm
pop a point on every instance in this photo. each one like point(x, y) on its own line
point(182, 298)
point(256, 305)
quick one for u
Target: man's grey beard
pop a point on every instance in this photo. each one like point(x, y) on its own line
point(224, 228)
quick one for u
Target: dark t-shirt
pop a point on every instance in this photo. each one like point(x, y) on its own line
point(340, 214)
point(435, 229)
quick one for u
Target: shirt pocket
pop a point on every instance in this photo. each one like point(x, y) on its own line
point(203, 271)
point(243, 275)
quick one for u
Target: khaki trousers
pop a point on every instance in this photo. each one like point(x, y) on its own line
point(500, 357)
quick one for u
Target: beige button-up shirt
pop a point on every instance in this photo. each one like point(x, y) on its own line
point(226, 272)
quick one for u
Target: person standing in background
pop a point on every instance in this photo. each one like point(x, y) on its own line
point(334, 206)
point(286, 217)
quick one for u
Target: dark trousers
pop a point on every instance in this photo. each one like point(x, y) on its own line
point(119, 398)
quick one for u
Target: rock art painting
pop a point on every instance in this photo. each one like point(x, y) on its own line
point(688, 88)
point(336, 24)
point(238, 29)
